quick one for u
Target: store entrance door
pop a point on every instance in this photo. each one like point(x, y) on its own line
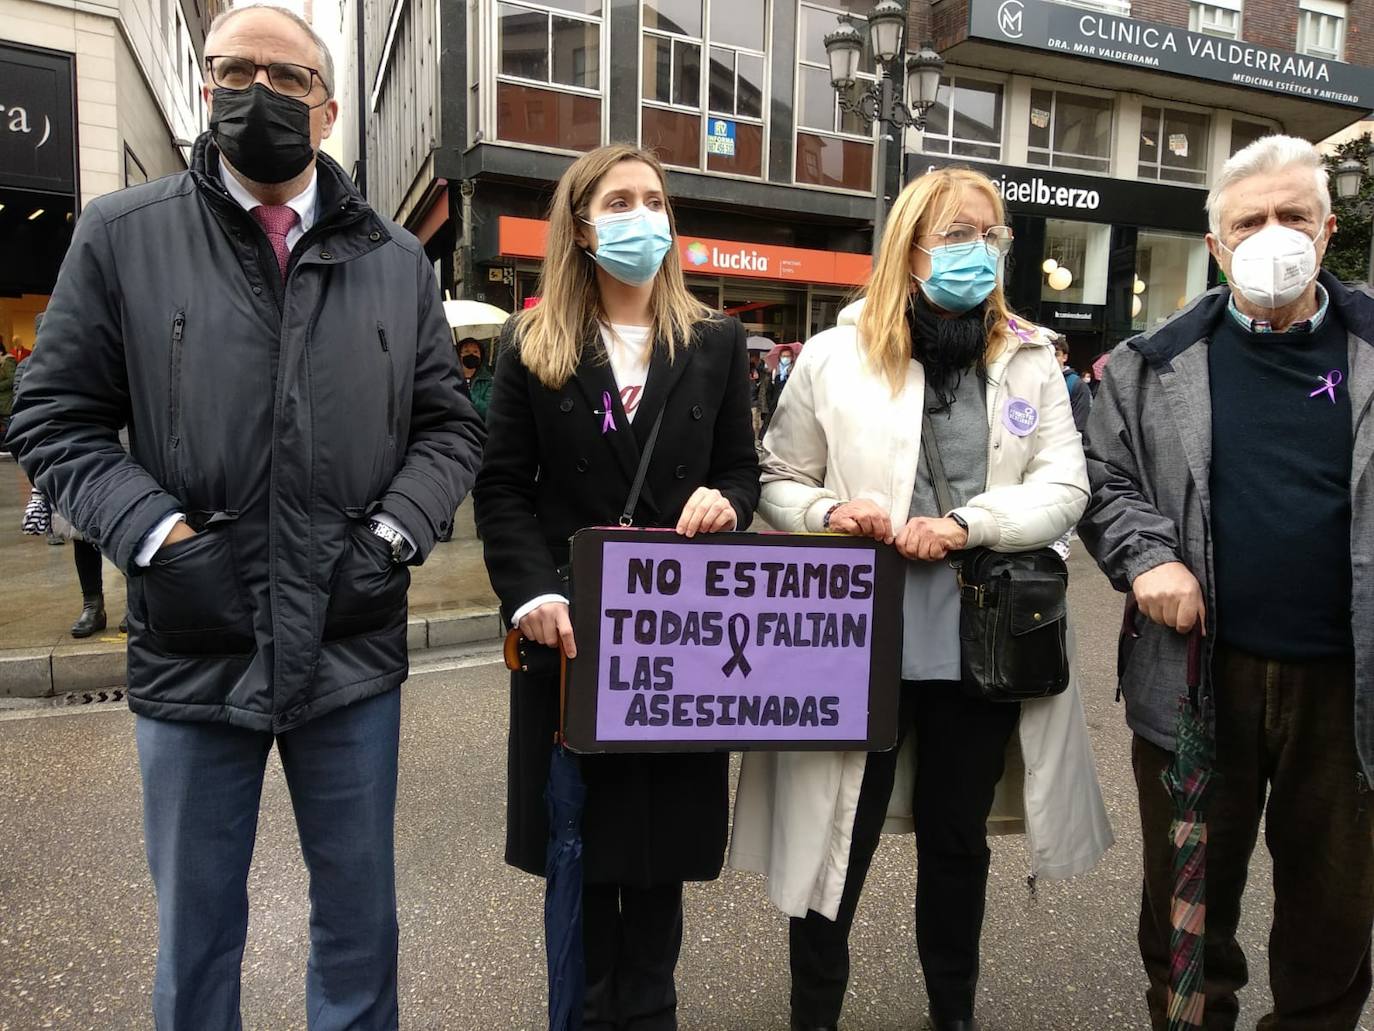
point(779, 315)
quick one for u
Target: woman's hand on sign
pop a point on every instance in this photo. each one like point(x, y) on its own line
point(706, 511)
point(550, 626)
point(1170, 595)
point(862, 518)
point(930, 540)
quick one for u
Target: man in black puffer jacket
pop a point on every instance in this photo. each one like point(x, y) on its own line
point(297, 438)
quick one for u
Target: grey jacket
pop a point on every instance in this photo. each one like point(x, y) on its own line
point(277, 417)
point(1149, 448)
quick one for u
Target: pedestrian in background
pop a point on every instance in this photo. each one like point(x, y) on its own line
point(617, 366)
point(1080, 396)
point(1228, 451)
point(933, 339)
point(472, 357)
point(8, 365)
point(281, 354)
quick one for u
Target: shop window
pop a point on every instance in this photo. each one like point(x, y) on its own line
point(1170, 270)
point(703, 92)
point(834, 148)
point(545, 118)
point(1075, 263)
point(834, 162)
point(966, 120)
point(1071, 130)
point(1321, 28)
point(674, 136)
point(1244, 133)
point(1215, 18)
point(1173, 145)
point(550, 75)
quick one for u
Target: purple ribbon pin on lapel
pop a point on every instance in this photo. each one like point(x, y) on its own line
point(1329, 384)
point(607, 412)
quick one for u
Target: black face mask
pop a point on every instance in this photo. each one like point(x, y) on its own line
point(262, 134)
point(471, 361)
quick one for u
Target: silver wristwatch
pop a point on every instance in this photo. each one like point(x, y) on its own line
point(392, 537)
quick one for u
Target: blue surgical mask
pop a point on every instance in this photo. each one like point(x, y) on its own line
point(631, 245)
point(962, 275)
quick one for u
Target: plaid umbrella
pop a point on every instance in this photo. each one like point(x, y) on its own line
point(565, 795)
point(1187, 780)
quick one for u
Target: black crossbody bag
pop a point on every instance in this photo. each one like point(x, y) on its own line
point(1013, 611)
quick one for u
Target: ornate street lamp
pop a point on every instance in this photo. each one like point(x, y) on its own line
point(844, 47)
point(885, 26)
point(1349, 177)
point(916, 76)
point(1349, 174)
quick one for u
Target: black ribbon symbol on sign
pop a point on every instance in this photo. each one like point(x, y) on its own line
point(739, 637)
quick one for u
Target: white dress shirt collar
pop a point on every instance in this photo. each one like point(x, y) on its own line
point(303, 203)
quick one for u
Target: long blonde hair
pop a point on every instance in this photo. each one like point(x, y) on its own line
point(552, 334)
point(927, 205)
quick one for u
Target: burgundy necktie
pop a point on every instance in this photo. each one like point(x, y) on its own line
point(277, 220)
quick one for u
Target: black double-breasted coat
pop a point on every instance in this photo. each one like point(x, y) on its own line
point(549, 471)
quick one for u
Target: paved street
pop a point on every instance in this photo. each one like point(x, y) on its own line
point(77, 919)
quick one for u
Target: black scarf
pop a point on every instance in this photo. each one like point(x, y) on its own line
point(947, 346)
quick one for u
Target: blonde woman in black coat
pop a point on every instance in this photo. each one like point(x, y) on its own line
point(615, 340)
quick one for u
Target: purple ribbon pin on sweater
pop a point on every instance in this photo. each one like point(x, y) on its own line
point(607, 412)
point(1329, 384)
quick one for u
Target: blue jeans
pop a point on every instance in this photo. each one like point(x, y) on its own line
point(202, 784)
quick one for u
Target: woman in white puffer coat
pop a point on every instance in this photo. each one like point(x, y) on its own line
point(844, 454)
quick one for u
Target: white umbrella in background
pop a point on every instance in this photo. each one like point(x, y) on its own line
point(475, 319)
point(760, 343)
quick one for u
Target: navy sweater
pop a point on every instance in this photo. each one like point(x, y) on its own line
point(1281, 454)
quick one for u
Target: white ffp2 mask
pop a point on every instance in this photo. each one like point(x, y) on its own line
point(1273, 267)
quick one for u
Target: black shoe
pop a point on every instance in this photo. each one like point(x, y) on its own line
point(798, 1025)
point(965, 1024)
point(124, 625)
point(92, 618)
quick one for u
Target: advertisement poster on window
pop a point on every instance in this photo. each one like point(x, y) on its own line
point(721, 139)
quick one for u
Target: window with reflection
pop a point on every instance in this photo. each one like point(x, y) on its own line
point(966, 120)
point(833, 148)
point(1244, 133)
point(704, 83)
point(1173, 145)
point(1170, 270)
point(1075, 264)
point(550, 73)
point(1071, 130)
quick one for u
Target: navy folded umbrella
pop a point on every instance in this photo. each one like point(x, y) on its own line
point(565, 794)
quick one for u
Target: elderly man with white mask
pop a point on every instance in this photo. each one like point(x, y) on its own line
point(1227, 450)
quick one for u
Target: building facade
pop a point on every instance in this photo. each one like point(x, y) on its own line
point(1102, 121)
point(95, 95)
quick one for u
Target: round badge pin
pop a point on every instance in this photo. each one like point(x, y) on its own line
point(1020, 417)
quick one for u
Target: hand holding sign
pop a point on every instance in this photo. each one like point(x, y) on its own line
point(706, 511)
point(550, 626)
point(862, 518)
point(930, 540)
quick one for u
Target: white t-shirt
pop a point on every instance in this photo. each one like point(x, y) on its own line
point(628, 348)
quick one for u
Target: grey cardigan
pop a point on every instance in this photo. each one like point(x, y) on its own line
point(1149, 450)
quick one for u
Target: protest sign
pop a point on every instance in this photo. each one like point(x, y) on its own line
point(733, 641)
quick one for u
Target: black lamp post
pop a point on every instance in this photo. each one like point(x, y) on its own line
point(883, 102)
point(1350, 176)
